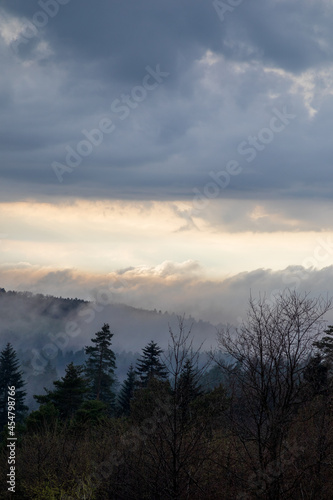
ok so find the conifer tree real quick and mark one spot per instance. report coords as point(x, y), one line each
point(100, 366)
point(10, 376)
point(316, 375)
point(189, 381)
point(187, 388)
point(150, 365)
point(325, 345)
point(126, 393)
point(69, 392)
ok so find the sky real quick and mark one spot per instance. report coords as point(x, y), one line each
point(173, 154)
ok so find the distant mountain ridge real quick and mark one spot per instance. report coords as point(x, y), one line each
point(49, 332)
point(30, 321)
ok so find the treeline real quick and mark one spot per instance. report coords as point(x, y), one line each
point(44, 328)
point(254, 422)
point(47, 305)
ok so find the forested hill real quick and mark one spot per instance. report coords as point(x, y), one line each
point(49, 332)
point(26, 318)
point(31, 321)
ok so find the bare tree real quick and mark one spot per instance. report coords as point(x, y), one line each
point(173, 461)
point(182, 448)
point(269, 353)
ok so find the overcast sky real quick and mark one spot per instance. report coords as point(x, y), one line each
point(179, 144)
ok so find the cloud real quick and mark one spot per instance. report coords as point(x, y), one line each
point(191, 148)
point(224, 81)
point(174, 287)
point(165, 239)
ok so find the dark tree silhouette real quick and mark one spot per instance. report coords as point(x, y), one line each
point(270, 352)
point(10, 375)
point(69, 392)
point(100, 366)
point(149, 365)
point(126, 393)
point(316, 375)
point(325, 345)
point(188, 386)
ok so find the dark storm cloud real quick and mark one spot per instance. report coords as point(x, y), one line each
point(293, 35)
point(121, 38)
point(223, 81)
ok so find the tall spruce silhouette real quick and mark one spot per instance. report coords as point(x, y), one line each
point(127, 392)
point(325, 345)
point(69, 392)
point(10, 375)
point(149, 365)
point(100, 366)
point(189, 385)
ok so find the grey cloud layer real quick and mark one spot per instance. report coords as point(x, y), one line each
point(173, 287)
point(65, 79)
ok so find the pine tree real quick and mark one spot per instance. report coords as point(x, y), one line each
point(100, 366)
point(46, 417)
point(188, 388)
point(69, 392)
point(189, 385)
point(90, 413)
point(149, 364)
point(316, 375)
point(126, 393)
point(325, 345)
point(10, 375)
